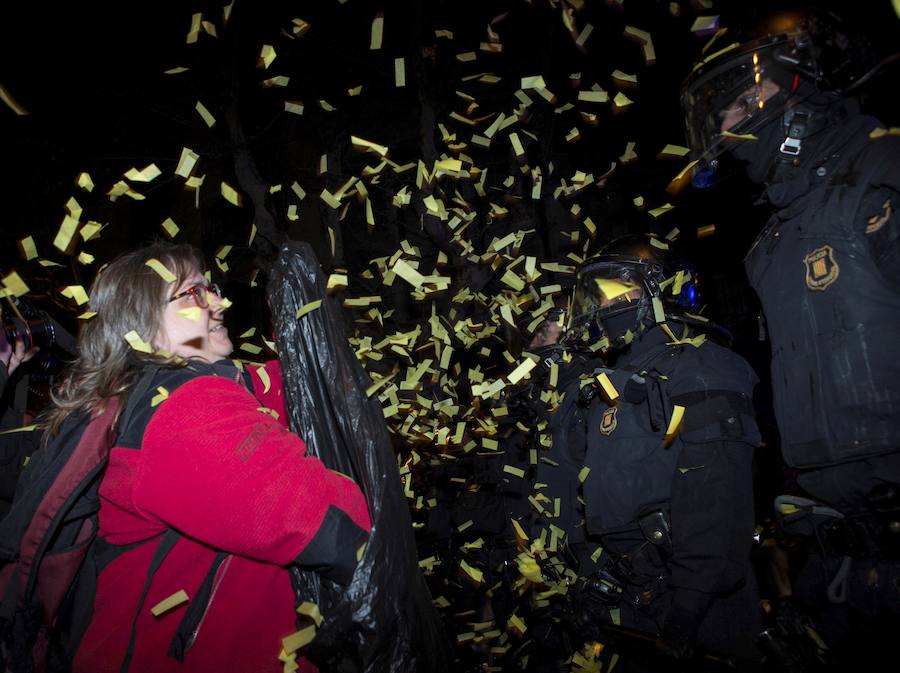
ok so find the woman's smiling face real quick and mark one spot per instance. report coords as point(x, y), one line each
point(192, 331)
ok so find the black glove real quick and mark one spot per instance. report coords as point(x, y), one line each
point(679, 634)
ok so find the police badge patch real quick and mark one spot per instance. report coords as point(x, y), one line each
point(608, 422)
point(821, 268)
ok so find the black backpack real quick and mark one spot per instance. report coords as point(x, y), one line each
point(50, 555)
point(44, 542)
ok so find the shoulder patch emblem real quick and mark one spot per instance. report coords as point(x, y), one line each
point(608, 423)
point(821, 268)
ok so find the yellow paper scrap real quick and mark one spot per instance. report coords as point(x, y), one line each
point(665, 208)
point(515, 471)
point(205, 114)
point(264, 377)
point(266, 56)
point(298, 639)
point(672, 151)
point(613, 289)
point(161, 269)
point(582, 475)
point(161, 395)
point(75, 292)
point(474, 573)
point(186, 162)
point(168, 225)
point(84, 181)
point(377, 31)
point(14, 285)
point(11, 102)
point(27, 248)
point(230, 194)
point(521, 370)
point(66, 231)
point(308, 308)
point(191, 313)
point(675, 422)
point(706, 230)
point(408, 273)
point(166, 604)
point(659, 314)
point(399, 72)
point(146, 174)
point(622, 101)
point(609, 389)
point(310, 610)
point(134, 340)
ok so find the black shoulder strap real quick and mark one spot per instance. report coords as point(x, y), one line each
point(166, 542)
point(136, 393)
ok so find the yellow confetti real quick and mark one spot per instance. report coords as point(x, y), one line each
point(310, 610)
point(24, 428)
point(11, 102)
point(474, 573)
point(377, 31)
point(14, 284)
point(622, 101)
point(672, 151)
point(308, 308)
point(134, 340)
point(264, 377)
point(515, 471)
point(399, 72)
point(706, 230)
point(521, 370)
point(168, 225)
point(84, 182)
point(87, 315)
point(607, 386)
point(146, 174)
point(612, 289)
point(582, 475)
point(205, 114)
point(665, 208)
point(675, 422)
point(230, 194)
point(161, 396)
point(75, 292)
point(298, 639)
point(173, 601)
point(193, 313)
point(408, 273)
point(266, 56)
point(161, 269)
point(65, 233)
point(186, 162)
point(659, 314)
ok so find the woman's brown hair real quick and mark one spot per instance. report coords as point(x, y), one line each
point(127, 296)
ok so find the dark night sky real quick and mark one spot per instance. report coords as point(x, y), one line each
point(91, 76)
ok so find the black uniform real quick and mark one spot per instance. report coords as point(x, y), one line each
point(826, 270)
point(680, 511)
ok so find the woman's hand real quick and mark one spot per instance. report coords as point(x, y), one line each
point(12, 357)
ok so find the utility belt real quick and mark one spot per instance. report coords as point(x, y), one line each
point(871, 534)
point(624, 577)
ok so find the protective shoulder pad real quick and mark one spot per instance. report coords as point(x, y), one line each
point(715, 386)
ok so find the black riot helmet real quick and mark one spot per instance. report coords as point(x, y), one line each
point(631, 284)
point(795, 65)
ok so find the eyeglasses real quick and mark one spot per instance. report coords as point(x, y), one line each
point(200, 293)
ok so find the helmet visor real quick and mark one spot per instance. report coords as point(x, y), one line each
point(732, 95)
point(603, 288)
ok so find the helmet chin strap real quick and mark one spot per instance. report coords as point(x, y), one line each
point(795, 121)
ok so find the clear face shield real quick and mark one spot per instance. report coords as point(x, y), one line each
point(727, 100)
point(606, 299)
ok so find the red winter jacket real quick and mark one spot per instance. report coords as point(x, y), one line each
point(230, 479)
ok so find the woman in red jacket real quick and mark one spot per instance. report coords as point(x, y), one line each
point(208, 499)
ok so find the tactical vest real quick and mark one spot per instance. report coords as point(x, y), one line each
point(833, 321)
point(630, 466)
point(631, 462)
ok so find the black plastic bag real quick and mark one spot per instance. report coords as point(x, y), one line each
point(385, 620)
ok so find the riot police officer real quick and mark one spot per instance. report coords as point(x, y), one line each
point(825, 269)
point(670, 443)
